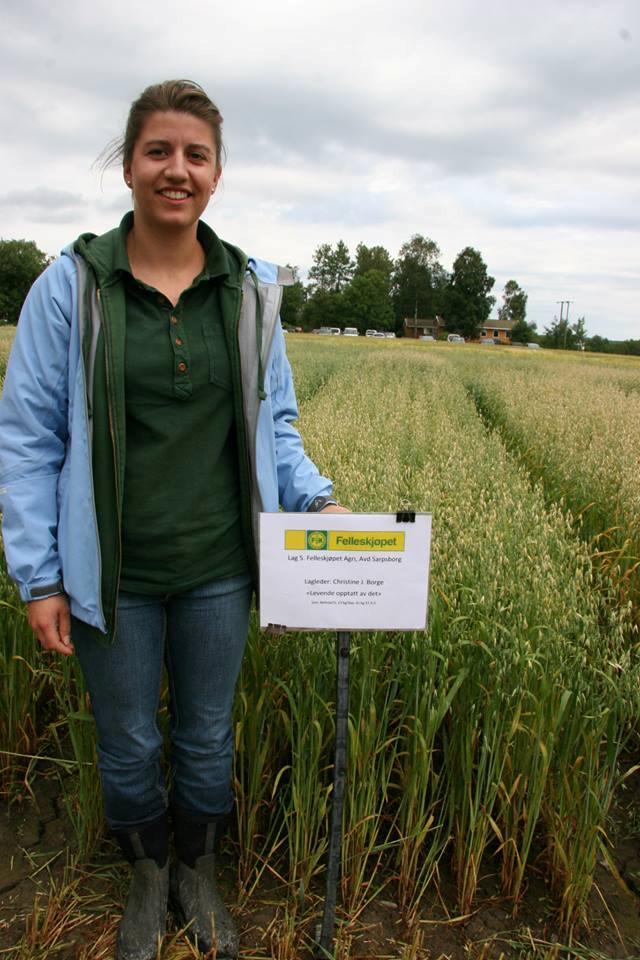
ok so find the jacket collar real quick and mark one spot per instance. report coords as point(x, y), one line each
point(107, 254)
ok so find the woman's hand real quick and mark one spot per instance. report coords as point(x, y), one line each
point(334, 508)
point(50, 620)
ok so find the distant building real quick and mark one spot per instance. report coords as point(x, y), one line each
point(495, 329)
point(415, 327)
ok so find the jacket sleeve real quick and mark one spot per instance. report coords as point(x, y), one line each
point(33, 433)
point(299, 480)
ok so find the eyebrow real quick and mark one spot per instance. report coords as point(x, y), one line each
point(202, 147)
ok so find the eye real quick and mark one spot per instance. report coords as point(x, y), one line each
point(156, 152)
point(198, 157)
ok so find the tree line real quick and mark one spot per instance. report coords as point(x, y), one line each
point(370, 291)
point(561, 335)
point(373, 291)
point(21, 262)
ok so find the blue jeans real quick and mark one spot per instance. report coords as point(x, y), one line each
point(201, 636)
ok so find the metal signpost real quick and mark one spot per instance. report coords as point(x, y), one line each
point(334, 860)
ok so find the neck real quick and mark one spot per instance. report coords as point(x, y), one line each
point(166, 250)
point(168, 260)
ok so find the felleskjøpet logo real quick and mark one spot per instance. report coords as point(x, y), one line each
point(342, 540)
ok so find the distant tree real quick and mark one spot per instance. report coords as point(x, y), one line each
point(418, 280)
point(373, 258)
point(366, 302)
point(468, 300)
point(21, 262)
point(523, 332)
point(332, 268)
point(514, 305)
point(598, 344)
point(558, 335)
point(323, 309)
point(580, 333)
point(293, 299)
point(561, 335)
point(320, 274)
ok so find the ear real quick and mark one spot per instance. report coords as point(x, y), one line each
point(126, 173)
point(215, 180)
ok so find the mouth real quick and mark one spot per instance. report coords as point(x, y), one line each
point(174, 194)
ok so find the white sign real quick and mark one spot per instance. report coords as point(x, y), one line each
point(344, 571)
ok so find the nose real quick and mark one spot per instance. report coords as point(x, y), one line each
point(176, 168)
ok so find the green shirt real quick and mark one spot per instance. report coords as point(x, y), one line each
point(181, 501)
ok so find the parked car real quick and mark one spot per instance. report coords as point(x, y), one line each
point(487, 342)
point(426, 336)
point(334, 331)
point(379, 335)
point(390, 335)
point(455, 338)
point(533, 346)
point(370, 333)
point(350, 332)
point(324, 331)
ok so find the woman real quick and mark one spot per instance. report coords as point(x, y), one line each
point(146, 420)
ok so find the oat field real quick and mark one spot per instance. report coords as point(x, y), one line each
point(497, 743)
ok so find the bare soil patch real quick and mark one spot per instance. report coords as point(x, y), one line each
point(53, 906)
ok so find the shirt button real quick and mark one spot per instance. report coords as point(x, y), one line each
point(182, 367)
point(174, 319)
point(178, 342)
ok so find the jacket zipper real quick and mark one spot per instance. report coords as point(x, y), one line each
point(89, 400)
point(248, 518)
point(112, 432)
point(250, 442)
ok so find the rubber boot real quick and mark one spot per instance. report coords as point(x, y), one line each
point(194, 891)
point(144, 920)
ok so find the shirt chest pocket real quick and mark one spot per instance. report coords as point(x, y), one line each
point(217, 356)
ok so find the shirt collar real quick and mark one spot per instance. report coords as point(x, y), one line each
point(216, 262)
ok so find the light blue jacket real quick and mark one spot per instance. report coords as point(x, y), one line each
point(46, 486)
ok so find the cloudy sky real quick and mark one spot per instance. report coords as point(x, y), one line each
point(511, 127)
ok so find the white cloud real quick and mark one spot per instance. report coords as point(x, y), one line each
point(514, 128)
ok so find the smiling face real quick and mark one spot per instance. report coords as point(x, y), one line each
point(172, 171)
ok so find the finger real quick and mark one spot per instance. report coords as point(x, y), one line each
point(50, 640)
point(47, 633)
point(59, 646)
point(64, 628)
